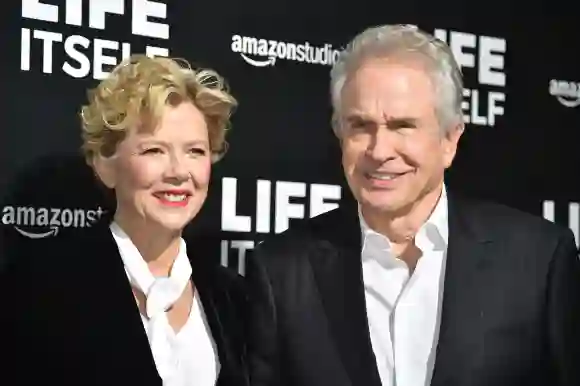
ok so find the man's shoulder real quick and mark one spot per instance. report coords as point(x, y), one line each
point(304, 236)
point(510, 221)
point(324, 226)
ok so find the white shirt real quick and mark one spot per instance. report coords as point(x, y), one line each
point(404, 311)
point(194, 353)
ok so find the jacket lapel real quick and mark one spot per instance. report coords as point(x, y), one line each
point(460, 343)
point(214, 287)
point(126, 345)
point(124, 348)
point(338, 271)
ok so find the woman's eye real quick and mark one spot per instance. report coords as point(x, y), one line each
point(153, 150)
point(197, 151)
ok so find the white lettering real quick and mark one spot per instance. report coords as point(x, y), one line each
point(488, 61)
point(493, 110)
point(142, 10)
point(74, 47)
point(49, 217)
point(48, 38)
point(263, 205)
point(491, 52)
point(224, 253)
point(152, 51)
point(319, 201)
point(465, 104)
point(474, 118)
point(490, 65)
point(242, 246)
point(34, 9)
point(84, 63)
point(99, 8)
point(319, 193)
point(25, 50)
point(74, 12)
point(101, 59)
point(285, 210)
point(125, 50)
point(269, 51)
point(574, 220)
point(231, 221)
point(458, 41)
point(79, 62)
point(472, 106)
point(67, 217)
point(548, 212)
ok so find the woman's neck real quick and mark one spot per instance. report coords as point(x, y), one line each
point(158, 247)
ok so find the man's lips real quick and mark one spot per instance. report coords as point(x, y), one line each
point(384, 176)
point(384, 180)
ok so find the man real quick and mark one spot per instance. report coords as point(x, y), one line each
point(418, 286)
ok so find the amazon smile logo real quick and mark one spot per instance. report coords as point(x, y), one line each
point(260, 52)
point(567, 93)
point(41, 222)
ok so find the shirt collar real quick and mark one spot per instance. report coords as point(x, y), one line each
point(433, 234)
point(136, 266)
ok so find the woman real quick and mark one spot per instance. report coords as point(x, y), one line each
point(127, 301)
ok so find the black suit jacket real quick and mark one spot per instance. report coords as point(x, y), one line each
point(69, 316)
point(510, 311)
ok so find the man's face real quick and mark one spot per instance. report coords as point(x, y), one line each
point(394, 151)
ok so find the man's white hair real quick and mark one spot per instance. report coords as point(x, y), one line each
point(393, 40)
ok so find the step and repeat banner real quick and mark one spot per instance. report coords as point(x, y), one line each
point(521, 104)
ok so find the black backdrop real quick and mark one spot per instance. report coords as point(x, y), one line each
point(520, 150)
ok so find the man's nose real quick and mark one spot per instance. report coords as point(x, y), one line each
point(382, 145)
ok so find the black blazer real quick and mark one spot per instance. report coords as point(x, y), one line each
point(69, 316)
point(510, 312)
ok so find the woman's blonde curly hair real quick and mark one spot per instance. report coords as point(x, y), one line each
point(137, 90)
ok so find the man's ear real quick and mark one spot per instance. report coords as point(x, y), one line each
point(450, 143)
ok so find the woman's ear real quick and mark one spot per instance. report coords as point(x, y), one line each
point(105, 169)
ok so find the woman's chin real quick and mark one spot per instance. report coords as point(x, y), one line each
point(173, 225)
point(167, 223)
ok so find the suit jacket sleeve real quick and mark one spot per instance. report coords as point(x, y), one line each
point(564, 311)
point(262, 327)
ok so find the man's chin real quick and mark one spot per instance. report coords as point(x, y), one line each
point(382, 203)
point(381, 208)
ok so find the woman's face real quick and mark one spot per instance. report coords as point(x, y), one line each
point(161, 176)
